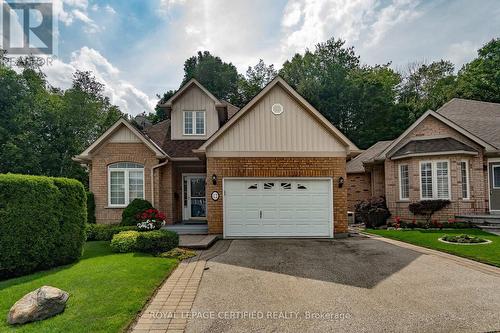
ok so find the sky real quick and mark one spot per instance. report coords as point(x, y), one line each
point(137, 48)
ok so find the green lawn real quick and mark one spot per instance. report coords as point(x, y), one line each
point(487, 253)
point(106, 290)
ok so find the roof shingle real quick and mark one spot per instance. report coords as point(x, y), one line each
point(432, 146)
point(479, 118)
point(160, 134)
point(356, 164)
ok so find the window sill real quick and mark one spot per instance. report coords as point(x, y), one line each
point(115, 207)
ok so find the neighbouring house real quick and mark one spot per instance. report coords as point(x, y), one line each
point(453, 154)
point(275, 168)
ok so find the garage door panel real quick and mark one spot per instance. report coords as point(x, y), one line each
point(277, 208)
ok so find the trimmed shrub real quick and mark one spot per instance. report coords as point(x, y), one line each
point(90, 208)
point(463, 239)
point(42, 221)
point(104, 232)
point(135, 207)
point(427, 208)
point(125, 241)
point(157, 241)
point(373, 212)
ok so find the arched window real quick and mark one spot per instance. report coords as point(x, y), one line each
point(125, 183)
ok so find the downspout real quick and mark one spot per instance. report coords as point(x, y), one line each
point(152, 180)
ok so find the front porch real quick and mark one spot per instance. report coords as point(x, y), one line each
point(189, 228)
point(486, 222)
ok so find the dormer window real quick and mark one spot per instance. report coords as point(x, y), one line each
point(194, 122)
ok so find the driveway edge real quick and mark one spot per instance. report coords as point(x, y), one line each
point(478, 266)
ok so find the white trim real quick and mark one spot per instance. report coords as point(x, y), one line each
point(157, 150)
point(332, 217)
point(194, 123)
point(181, 90)
point(276, 154)
point(443, 119)
point(400, 183)
point(467, 177)
point(493, 167)
point(189, 174)
point(127, 189)
point(434, 179)
point(439, 153)
point(490, 161)
point(307, 106)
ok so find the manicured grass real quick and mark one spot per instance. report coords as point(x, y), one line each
point(487, 253)
point(106, 290)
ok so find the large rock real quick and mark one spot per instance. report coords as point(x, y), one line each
point(39, 304)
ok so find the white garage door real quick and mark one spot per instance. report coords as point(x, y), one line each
point(278, 208)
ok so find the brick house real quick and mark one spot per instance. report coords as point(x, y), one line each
point(275, 168)
point(452, 154)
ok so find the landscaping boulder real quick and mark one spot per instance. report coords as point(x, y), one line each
point(39, 304)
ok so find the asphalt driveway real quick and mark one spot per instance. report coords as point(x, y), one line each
point(355, 285)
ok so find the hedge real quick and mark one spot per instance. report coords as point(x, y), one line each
point(42, 221)
point(148, 241)
point(135, 207)
point(90, 208)
point(104, 232)
point(125, 241)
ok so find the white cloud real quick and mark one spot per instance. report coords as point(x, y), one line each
point(121, 92)
point(390, 16)
point(165, 6)
point(69, 11)
point(462, 52)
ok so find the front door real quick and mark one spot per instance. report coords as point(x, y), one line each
point(194, 197)
point(495, 187)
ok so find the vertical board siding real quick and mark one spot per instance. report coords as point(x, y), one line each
point(194, 99)
point(293, 131)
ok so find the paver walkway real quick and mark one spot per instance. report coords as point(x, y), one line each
point(169, 309)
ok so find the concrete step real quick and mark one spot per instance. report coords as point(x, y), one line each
point(188, 229)
point(490, 228)
point(480, 219)
point(197, 242)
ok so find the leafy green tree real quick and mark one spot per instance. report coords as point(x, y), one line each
point(256, 78)
point(480, 79)
point(427, 86)
point(160, 112)
point(219, 77)
point(44, 127)
point(357, 99)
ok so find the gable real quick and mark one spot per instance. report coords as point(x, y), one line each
point(124, 135)
point(294, 132)
point(430, 128)
point(120, 132)
point(193, 98)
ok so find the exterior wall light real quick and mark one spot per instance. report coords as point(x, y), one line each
point(214, 179)
point(341, 182)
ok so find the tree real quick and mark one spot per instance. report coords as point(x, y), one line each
point(357, 99)
point(42, 127)
point(427, 86)
point(256, 78)
point(480, 79)
point(160, 112)
point(219, 77)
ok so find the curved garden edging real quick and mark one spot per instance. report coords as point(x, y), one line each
point(487, 241)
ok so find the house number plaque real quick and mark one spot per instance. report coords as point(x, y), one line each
point(215, 195)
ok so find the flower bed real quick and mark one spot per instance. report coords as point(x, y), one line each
point(463, 240)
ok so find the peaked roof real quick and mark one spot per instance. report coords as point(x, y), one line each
point(188, 84)
point(433, 146)
point(282, 83)
point(356, 164)
point(176, 149)
point(479, 118)
point(443, 119)
point(110, 131)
